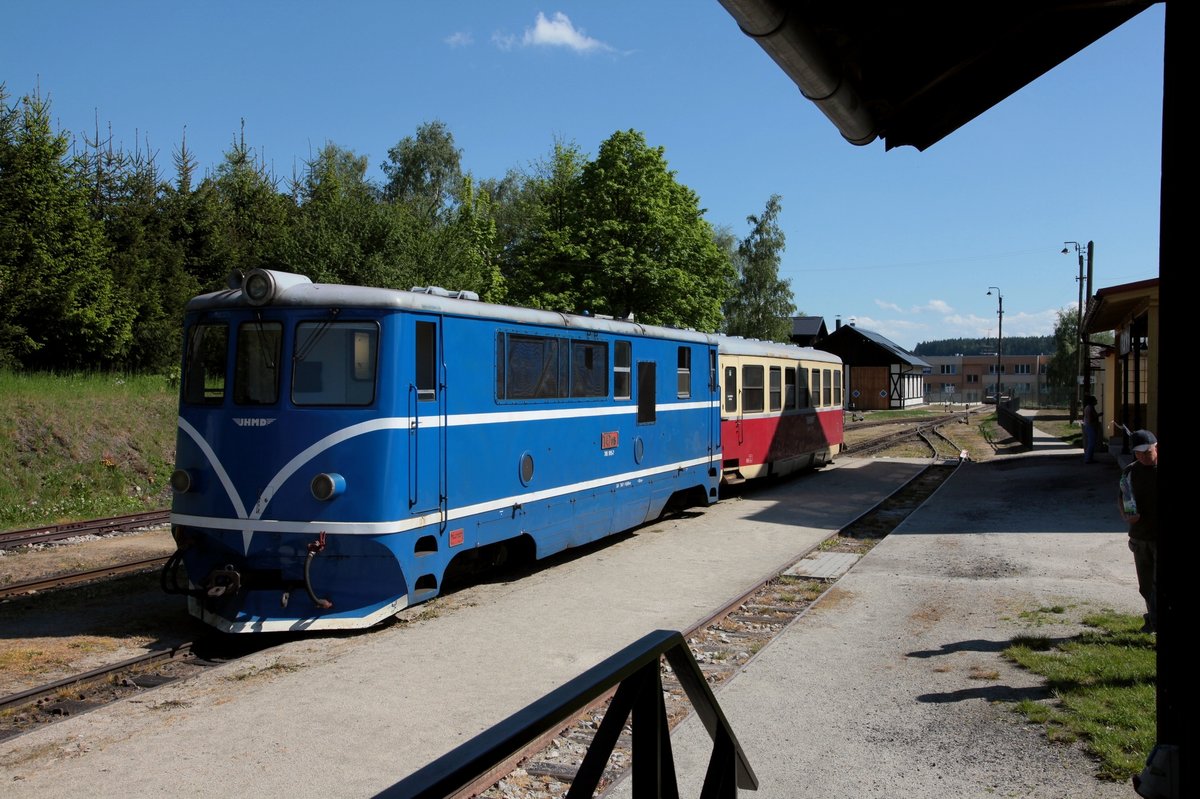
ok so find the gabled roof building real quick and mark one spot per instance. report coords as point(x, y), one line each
point(879, 374)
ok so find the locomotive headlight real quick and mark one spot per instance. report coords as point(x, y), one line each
point(258, 287)
point(327, 485)
point(181, 481)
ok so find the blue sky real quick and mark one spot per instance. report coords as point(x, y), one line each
point(905, 243)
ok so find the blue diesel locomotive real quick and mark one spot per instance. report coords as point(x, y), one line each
point(339, 446)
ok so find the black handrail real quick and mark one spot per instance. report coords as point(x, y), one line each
point(635, 670)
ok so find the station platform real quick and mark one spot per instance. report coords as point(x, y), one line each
point(884, 688)
point(894, 685)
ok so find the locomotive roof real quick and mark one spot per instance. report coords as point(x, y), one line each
point(329, 295)
point(297, 291)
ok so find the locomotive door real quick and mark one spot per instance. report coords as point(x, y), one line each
point(426, 416)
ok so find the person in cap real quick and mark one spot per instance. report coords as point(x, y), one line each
point(1138, 503)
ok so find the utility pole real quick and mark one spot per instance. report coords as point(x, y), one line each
point(1081, 337)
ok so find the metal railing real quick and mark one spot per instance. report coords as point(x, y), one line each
point(636, 672)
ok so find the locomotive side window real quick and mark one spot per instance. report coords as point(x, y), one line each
point(550, 367)
point(731, 383)
point(752, 389)
point(712, 371)
point(815, 397)
point(204, 372)
point(622, 363)
point(776, 387)
point(837, 387)
point(647, 392)
point(335, 363)
point(789, 387)
point(531, 367)
point(589, 368)
point(683, 373)
point(827, 396)
point(256, 368)
point(426, 361)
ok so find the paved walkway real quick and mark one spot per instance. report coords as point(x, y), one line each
point(895, 686)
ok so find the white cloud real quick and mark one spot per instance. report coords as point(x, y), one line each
point(505, 41)
point(459, 39)
point(889, 306)
point(559, 32)
point(937, 306)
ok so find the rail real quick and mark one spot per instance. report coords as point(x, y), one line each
point(636, 674)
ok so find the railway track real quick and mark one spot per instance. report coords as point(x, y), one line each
point(80, 578)
point(107, 526)
point(723, 643)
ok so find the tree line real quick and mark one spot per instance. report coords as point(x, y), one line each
point(100, 249)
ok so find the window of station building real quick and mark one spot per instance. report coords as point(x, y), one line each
point(752, 389)
point(837, 387)
point(622, 366)
point(256, 365)
point(335, 363)
point(204, 368)
point(775, 377)
point(827, 379)
point(815, 397)
point(789, 387)
point(683, 373)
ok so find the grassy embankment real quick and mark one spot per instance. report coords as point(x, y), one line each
point(83, 446)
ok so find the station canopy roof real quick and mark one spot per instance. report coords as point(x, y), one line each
point(912, 73)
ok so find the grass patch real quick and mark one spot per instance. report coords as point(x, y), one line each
point(81, 446)
point(1103, 682)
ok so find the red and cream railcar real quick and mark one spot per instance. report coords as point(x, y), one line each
point(781, 408)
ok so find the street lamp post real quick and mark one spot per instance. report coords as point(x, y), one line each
point(1083, 361)
point(999, 337)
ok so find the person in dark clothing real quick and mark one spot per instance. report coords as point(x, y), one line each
point(1091, 428)
point(1138, 502)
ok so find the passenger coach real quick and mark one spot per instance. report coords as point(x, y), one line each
point(781, 409)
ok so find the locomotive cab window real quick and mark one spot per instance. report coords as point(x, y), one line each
point(335, 363)
point(622, 365)
point(683, 373)
point(256, 368)
point(425, 358)
point(204, 369)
